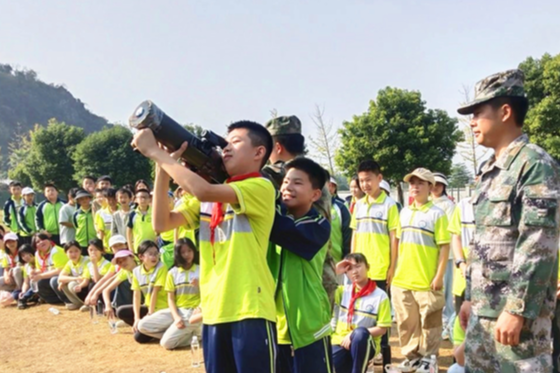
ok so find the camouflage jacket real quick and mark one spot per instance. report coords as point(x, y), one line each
point(513, 256)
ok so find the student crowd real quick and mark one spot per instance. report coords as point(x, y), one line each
point(261, 287)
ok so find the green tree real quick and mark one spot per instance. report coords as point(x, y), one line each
point(47, 155)
point(400, 133)
point(459, 176)
point(543, 91)
point(108, 152)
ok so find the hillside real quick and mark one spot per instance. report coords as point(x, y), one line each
point(25, 100)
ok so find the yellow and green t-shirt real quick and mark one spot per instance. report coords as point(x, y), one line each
point(180, 282)
point(103, 267)
point(75, 269)
point(458, 333)
point(55, 259)
point(421, 232)
point(372, 221)
point(103, 221)
point(9, 261)
point(141, 225)
point(235, 282)
point(462, 224)
point(146, 281)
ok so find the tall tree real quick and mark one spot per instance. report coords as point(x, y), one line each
point(325, 143)
point(459, 176)
point(49, 155)
point(401, 134)
point(542, 81)
point(471, 152)
point(108, 152)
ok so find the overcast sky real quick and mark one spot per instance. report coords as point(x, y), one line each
point(215, 62)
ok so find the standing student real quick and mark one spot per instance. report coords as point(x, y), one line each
point(356, 194)
point(12, 206)
point(362, 315)
point(171, 325)
point(12, 278)
point(418, 283)
point(235, 220)
point(27, 260)
point(441, 200)
point(302, 305)
point(140, 226)
point(88, 184)
point(104, 217)
point(375, 222)
point(65, 218)
point(26, 216)
point(104, 182)
point(48, 212)
point(148, 280)
point(49, 261)
point(83, 219)
point(71, 279)
point(121, 216)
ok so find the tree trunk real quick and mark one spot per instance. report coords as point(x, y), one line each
point(400, 195)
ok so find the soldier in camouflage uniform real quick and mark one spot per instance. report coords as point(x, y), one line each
point(511, 276)
point(288, 143)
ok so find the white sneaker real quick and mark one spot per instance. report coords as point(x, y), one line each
point(408, 366)
point(121, 324)
point(424, 366)
point(84, 308)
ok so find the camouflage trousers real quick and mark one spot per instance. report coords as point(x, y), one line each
point(483, 354)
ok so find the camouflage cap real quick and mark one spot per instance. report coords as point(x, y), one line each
point(285, 125)
point(505, 84)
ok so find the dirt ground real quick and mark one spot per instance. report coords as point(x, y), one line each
point(36, 341)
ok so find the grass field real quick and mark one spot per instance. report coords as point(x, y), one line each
point(36, 341)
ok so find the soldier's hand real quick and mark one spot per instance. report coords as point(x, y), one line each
point(465, 314)
point(508, 328)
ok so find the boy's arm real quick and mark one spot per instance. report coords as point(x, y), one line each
point(107, 293)
point(63, 218)
point(304, 237)
point(21, 219)
point(145, 141)
point(7, 217)
point(163, 219)
point(39, 218)
point(394, 242)
point(130, 239)
point(346, 230)
point(437, 282)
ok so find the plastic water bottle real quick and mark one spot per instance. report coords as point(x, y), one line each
point(34, 286)
point(195, 348)
point(113, 325)
point(433, 364)
point(54, 311)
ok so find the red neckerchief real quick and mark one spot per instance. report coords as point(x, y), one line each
point(368, 289)
point(352, 204)
point(44, 259)
point(13, 262)
point(217, 209)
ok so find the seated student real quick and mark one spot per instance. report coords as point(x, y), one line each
point(125, 261)
point(148, 279)
point(26, 216)
point(71, 279)
point(27, 295)
point(140, 221)
point(83, 220)
point(49, 261)
point(12, 278)
point(98, 266)
point(302, 304)
point(362, 314)
point(122, 293)
point(458, 348)
point(46, 218)
point(171, 325)
point(103, 218)
point(120, 217)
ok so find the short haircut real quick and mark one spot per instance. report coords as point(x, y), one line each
point(178, 260)
point(73, 191)
point(25, 249)
point(142, 191)
point(145, 246)
point(109, 193)
point(141, 181)
point(316, 173)
point(126, 191)
point(258, 134)
point(37, 237)
point(519, 107)
point(89, 177)
point(50, 184)
point(71, 244)
point(105, 178)
point(15, 183)
point(294, 143)
point(97, 243)
point(369, 166)
point(358, 258)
